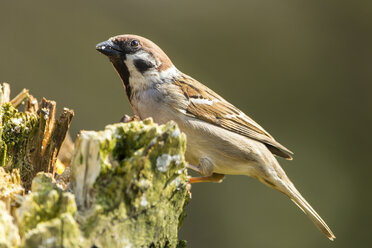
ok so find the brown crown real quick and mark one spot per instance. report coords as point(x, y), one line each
point(149, 46)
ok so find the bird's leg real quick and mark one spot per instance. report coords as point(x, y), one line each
point(214, 178)
point(205, 168)
point(127, 118)
point(194, 168)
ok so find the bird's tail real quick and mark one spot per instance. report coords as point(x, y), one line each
point(297, 198)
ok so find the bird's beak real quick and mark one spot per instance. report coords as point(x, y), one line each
point(109, 48)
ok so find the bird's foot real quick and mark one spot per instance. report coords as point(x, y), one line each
point(127, 118)
point(214, 178)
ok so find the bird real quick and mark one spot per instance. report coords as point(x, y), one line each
point(221, 139)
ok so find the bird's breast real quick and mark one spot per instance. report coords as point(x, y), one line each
point(150, 104)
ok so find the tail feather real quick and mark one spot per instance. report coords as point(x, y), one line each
point(297, 198)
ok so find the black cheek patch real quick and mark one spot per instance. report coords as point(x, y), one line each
point(143, 65)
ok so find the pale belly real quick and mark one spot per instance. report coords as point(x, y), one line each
point(230, 153)
point(226, 156)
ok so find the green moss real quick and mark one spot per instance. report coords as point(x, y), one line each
point(141, 190)
point(15, 129)
point(47, 215)
point(58, 232)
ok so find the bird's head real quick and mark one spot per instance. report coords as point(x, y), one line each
point(138, 60)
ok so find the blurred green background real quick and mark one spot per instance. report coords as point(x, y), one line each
point(302, 69)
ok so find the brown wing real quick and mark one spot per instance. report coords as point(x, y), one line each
point(206, 105)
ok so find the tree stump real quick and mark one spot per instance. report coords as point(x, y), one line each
point(128, 185)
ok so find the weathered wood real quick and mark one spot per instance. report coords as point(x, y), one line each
point(55, 140)
point(129, 185)
point(32, 105)
point(4, 93)
point(10, 188)
point(30, 140)
point(16, 101)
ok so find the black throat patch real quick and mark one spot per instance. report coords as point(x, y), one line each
point(123, 72)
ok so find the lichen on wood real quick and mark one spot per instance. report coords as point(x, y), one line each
point(128, 187)
point(46, 216)
point(125, 196)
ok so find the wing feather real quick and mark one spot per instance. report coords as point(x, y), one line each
point(205, 104)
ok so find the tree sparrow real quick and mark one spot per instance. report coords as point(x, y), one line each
point(221, 139)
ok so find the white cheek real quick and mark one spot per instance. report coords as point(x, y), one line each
point(140, 81)
point(133, 72)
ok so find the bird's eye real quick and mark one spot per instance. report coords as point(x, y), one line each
point(134, 43)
